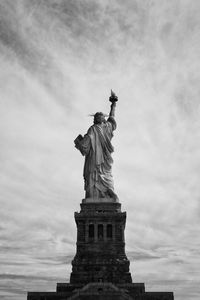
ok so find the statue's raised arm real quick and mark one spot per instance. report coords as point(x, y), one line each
point(113, 99)
point(97, 148)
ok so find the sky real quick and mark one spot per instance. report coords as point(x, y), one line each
point(59, 60)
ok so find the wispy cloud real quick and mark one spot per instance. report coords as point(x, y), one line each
point(59, 60)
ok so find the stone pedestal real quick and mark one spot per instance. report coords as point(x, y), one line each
point(100, 268)
point(100, 255)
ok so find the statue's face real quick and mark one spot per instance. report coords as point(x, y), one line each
point(99, 118)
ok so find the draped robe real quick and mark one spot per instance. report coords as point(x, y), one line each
point(97, 148)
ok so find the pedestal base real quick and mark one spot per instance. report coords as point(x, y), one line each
point(100, 268)
point(100, 291)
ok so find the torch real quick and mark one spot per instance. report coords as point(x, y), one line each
point(113, 98)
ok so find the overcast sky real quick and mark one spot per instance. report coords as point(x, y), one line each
point(59, 59)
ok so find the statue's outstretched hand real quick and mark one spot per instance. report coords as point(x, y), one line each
point(113, 99)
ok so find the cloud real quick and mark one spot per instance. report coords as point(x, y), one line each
point(59, 61)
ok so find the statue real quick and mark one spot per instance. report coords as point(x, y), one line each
point(97, 148)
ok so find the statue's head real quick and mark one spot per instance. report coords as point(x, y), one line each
point(99, 118)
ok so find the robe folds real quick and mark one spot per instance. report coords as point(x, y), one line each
point(97, 148)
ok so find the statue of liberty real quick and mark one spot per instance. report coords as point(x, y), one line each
point(97, 148)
